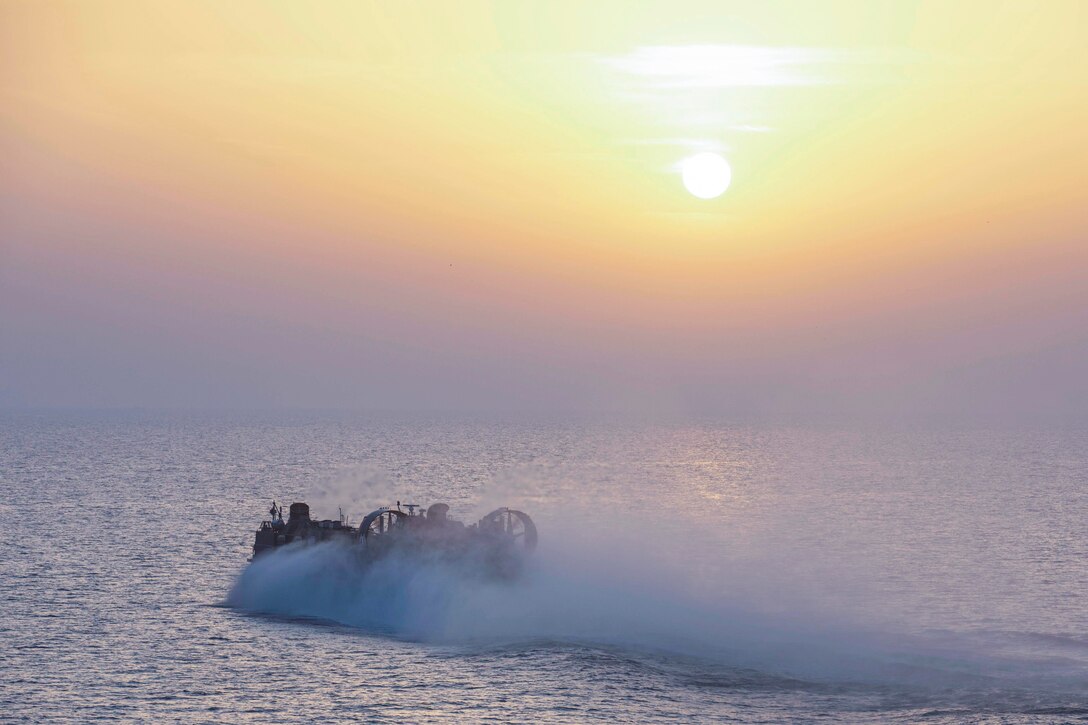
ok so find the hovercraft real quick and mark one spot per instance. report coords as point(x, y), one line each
point(498, 541)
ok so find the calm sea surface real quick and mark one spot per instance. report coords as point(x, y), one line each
point(685, 572)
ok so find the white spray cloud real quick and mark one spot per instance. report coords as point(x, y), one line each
point(614, 583)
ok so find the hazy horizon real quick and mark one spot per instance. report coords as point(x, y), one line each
point(374, 207)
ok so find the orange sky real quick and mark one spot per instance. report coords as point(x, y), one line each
point(476, 204)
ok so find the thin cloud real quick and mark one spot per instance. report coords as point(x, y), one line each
point(716, 66)
point(725, 66)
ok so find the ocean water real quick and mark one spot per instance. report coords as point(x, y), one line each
point(686, 572)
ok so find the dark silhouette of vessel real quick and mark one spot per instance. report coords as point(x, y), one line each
point(497, 542)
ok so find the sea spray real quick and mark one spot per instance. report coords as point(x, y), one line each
point(604, 587)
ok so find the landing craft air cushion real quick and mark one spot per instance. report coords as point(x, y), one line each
point(497, 541)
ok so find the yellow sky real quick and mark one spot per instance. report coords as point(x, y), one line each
point(881, 152)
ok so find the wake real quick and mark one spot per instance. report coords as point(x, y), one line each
point(618, 594)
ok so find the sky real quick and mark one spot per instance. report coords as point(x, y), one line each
point(466, 205)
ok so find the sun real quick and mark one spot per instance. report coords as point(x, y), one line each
point(706, 175)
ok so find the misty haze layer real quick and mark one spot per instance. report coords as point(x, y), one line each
point(249, 207)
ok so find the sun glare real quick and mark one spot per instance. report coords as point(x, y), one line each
point(706, 175)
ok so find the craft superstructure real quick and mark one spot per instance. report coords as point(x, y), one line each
point(499, 539)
